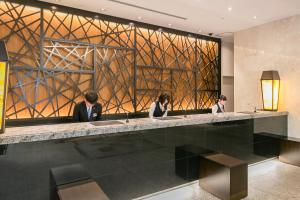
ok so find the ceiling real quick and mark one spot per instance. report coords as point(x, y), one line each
point(198, 16)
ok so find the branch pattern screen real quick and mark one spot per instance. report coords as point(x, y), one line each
point(55, 57)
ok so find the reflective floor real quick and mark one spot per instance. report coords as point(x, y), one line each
point(270, 180)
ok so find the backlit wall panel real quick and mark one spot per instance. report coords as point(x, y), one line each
point(56, 56)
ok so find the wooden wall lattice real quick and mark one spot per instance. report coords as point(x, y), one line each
point(55, 57)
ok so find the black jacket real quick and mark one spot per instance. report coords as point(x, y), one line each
point(80, 112)
point(158, 112)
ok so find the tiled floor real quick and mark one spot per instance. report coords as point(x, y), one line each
point(270, 180)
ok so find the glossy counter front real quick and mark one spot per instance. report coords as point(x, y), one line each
point(130, 160)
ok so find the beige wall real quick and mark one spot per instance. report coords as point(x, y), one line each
point(227, 58)
point(227, 87)
point(272, 46)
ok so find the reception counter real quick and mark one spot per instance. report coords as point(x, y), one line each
point(60, 131)
point(130, 160)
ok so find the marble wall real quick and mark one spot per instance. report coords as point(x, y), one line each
point(272, 46)
point(227, 87)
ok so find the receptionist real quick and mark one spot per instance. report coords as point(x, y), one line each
point(159, 108)
point(89, 109)
point(219, 107)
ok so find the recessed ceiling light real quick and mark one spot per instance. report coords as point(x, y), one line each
point(169, 25)
point(139, 17)
point(53, 8)
point(229, 8)
point(58, 1)
point(200, 31)
point(254, 17)
point(103, 9)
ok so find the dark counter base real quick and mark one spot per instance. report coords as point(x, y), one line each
point(187, 161)
point(127, 166)
point(267, 145)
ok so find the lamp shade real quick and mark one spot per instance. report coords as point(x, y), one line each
point(3, 83)
point(270, 85)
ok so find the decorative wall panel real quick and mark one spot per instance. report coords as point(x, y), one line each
point(208, 73)
point(57, 55)
point(114, 79)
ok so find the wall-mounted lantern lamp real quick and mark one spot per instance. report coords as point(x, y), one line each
point(3, 83)
point(270, 85)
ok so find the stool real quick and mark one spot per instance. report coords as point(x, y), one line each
point(73, 182)
point(224, 176)
point(290, 151)
point(85, 191)
point(187, 161)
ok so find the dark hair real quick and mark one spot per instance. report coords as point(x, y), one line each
point(223, 98)
point(91, 97)
point(163, 97)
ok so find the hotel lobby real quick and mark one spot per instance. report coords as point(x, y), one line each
point(149, 100)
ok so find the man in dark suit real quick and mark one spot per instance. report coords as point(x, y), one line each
point(89, 109)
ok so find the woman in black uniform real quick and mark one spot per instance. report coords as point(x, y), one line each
point(159, 108)
point(219, 107)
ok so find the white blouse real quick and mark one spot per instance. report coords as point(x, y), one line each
point(214, 109)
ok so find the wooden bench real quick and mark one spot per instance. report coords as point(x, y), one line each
point(72, 182)
point(224, 176)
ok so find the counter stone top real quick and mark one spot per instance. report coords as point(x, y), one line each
point(70, 130)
